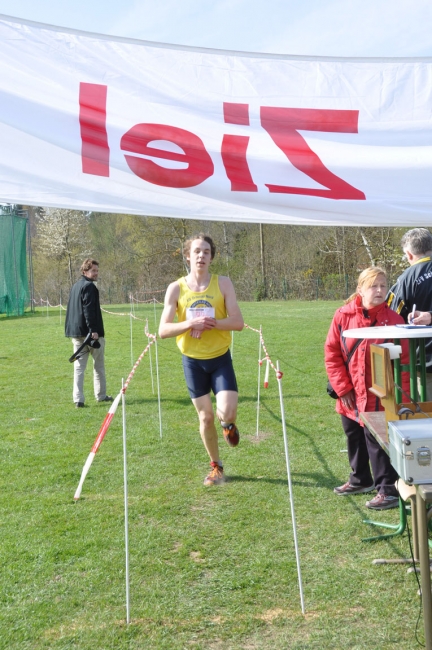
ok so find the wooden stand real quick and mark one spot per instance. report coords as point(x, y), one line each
point(383, 386)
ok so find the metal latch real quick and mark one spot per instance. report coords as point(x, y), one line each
point(424, 456)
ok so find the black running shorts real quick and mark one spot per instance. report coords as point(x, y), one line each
point(205, 375)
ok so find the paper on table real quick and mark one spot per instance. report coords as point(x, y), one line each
point(413, 327)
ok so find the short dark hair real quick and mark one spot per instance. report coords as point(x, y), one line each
point(87, 264)
point(418, 241)
point(203, 237)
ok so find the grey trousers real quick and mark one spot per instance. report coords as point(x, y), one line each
point(99, 380)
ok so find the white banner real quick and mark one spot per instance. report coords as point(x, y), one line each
point(109, 124)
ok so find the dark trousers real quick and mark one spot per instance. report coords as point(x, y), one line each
point(364, 449)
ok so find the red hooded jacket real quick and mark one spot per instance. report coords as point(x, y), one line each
point(359, 374)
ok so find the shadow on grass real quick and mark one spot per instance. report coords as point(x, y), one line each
point(26, 315)
point(183, 401)
point(253, 398)
point(254, 479)
point(369, 530)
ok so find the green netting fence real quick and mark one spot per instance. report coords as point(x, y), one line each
point(14, 289)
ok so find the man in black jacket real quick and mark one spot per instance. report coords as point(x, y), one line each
point(411, 296)
point(84, 316)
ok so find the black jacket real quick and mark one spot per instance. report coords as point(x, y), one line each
point(414, 287)
point(83, 311)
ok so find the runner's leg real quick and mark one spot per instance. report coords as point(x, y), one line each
point(208, 430)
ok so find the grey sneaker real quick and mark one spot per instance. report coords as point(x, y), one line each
point(347, 488)
point(383, 502)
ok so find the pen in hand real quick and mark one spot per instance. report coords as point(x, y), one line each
point(411, 318)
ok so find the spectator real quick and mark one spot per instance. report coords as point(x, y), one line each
point(413, 289)
point(365, 308)
point(84, 316)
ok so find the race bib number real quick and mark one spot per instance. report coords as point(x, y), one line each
point(199, 312)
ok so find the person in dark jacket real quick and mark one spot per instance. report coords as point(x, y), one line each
point(365, 308)
point(411, 295)
point(84, 316)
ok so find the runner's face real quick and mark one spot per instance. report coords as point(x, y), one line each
point(200, 255)
point(375, 294)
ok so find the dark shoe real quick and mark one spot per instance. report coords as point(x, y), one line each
point(231, 435)
point(383, 502)
point(347, 488)
point(79, 405)
point(216, 475)
point(107, 398)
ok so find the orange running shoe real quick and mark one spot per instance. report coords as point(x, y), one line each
point(231, 435)
point(216, 475)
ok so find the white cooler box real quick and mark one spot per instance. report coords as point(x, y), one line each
point(410, 443)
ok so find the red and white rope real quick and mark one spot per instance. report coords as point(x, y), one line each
point(109, 417)
point(279, 373)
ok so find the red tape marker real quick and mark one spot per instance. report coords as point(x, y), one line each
point(97, 443)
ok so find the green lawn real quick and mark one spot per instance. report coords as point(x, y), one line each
point(210, 568)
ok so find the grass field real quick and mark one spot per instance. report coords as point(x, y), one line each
point(211, 568)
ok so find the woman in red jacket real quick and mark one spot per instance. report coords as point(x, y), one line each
point(365, 308)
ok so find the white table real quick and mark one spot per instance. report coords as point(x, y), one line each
point(424, 491)
point(390, 332)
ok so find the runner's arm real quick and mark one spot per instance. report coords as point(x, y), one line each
point(234, 320)
point(168, 328)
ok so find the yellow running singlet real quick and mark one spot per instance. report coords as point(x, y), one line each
point(213, 343)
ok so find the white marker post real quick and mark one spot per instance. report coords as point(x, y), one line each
point(154, 311)
point(259, 381)
point(151, 371)
point(126, 506)
point(267, 372)
point(158, 388)
point(131, 329)
point(279, 379)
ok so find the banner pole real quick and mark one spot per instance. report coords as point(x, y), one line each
point(125, 506)
point(279, 378)
point(259, 382)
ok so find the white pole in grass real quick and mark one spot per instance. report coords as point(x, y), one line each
point(154, 310)
point(158, 389)
point(279, 379)
point(151, 370)
point(126, 506)
point(131, 338)
point(259, 381)
point(150, 358)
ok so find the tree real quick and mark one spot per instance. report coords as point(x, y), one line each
point(62, 235)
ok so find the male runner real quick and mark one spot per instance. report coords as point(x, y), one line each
point(207, 311)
